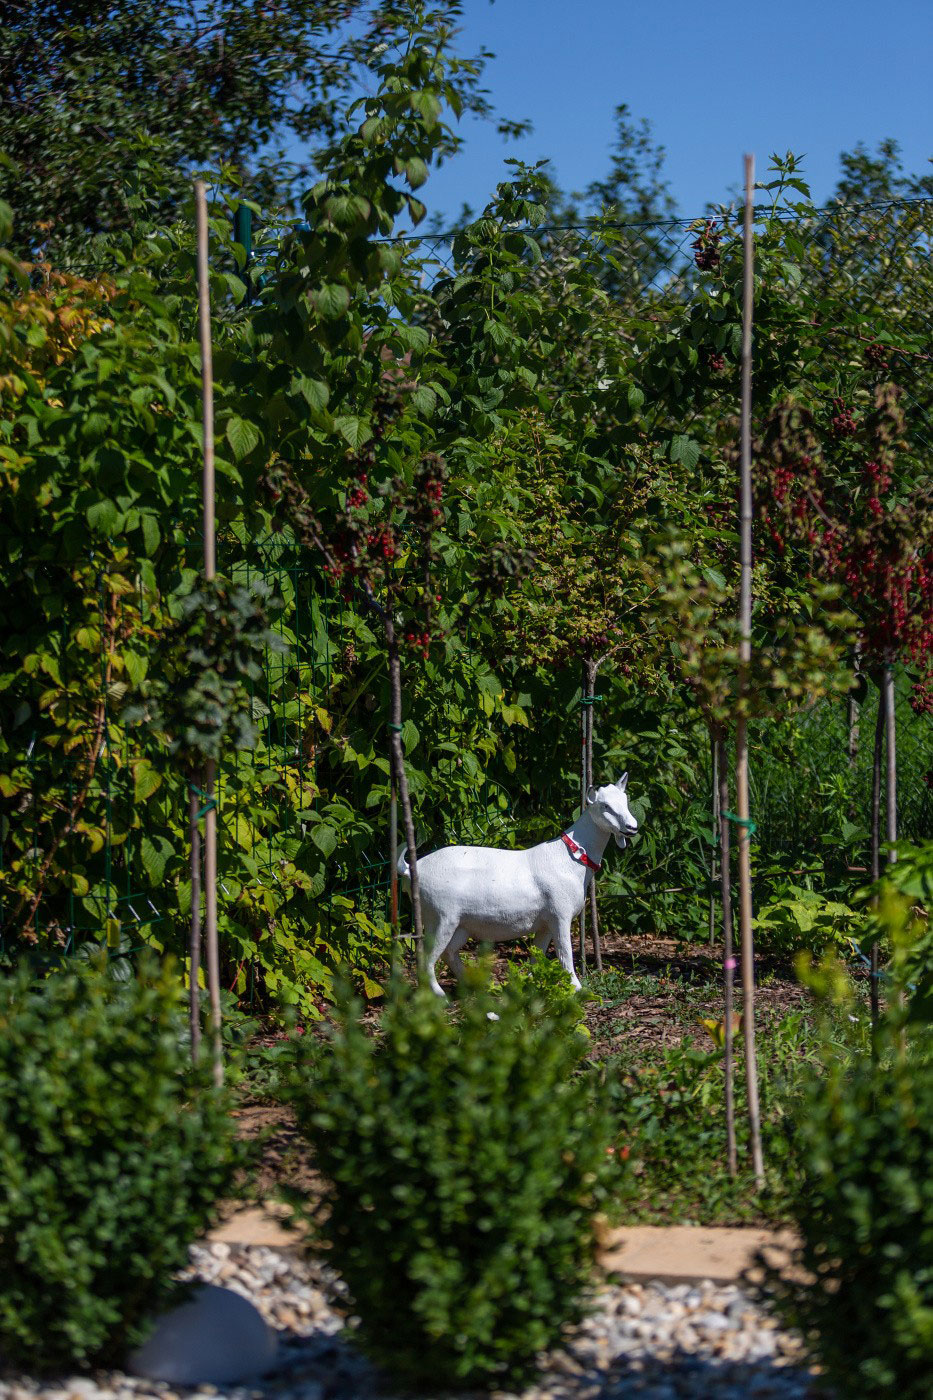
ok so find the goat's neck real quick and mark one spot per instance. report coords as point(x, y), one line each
point(594, 839)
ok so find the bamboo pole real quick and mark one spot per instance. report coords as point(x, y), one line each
point(583, 787)
point(194, 937)
point(591, 667)
point(728, 957)
point(890, 786)
point(714, 765)
point(745, 655)
point(210, 567)
point(874, 990)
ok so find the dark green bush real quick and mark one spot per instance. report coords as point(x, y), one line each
point(865, 1215)
point(113, 1155)
point(464, 1158)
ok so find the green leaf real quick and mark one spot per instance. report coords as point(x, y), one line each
point(314, 392)
point(146, 780)
point(635, 398)
point(103, 517)
point(325, 838)
point(242, 436)
point(154, 852)
point(685, 450)
point(353, 430)
point(151, 535)
point(331, 300)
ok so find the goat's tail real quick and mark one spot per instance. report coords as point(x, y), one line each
point(401, 862)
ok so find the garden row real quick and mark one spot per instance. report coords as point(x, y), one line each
point(470, 483)
point(461, 1163)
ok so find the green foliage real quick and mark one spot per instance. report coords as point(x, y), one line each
point(198, 699)
point(157, 87)
point(797, 918)
point(863, 1298)
point(113, 1157)
point(542, 979)
point(464, 1158)
point(901, 923)
point(669, 1122)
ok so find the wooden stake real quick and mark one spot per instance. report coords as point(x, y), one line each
point(194, 936)
point(890, 785)
point(590, 673)
point(874, 990)
point(210, 819)
point(583, 787)
point(728, 956)
point(745, 656)
point(714, 765)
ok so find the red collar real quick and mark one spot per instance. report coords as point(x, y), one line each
point(578, 853)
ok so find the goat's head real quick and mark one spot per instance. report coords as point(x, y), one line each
point(608, 806)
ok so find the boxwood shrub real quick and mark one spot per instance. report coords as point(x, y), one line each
point(113, 1155)
point(862, 1295)
point(464, 1151)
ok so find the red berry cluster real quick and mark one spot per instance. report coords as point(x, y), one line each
point(842, 423)
point(418, 641)
point(879, 550)
point(715, 361)
point(875, 357)
point(706, 247)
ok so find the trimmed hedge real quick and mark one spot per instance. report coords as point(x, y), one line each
point(113, 1155)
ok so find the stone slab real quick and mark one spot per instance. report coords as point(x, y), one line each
point(263, 1225)
point(688, 1253)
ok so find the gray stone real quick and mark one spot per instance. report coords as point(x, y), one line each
point(217, 1338)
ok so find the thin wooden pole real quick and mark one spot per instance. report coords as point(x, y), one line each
point(745, 656)
point(591, 699)
point(210, 568)
point(714, 765)
point(194, 940)
point(393, 853)
point(890, 747)
point(874, 990)
point(728, 956)
point(583, 787)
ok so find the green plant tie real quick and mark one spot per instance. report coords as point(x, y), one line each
point(747, 822)
point(590, 699)
point(210, 803)
point(396, 728)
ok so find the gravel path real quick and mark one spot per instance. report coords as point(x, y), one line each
point(651, 1340)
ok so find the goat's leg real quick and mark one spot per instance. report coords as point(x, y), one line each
point(437, 946)
point(561, 935)
point(543, 940)
point(452, 952)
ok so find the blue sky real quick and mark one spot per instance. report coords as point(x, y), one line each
point(714, 77)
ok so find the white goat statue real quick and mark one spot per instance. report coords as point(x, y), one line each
point(490, 894)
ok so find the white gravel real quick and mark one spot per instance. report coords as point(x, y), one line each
point(647, 1339)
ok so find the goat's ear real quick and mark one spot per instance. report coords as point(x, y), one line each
point(623, 781)
point(590, 795)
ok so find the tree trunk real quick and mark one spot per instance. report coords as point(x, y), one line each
point(716, 806)
point(194, 937)
point(854, 715)
point(393, 852)
point(590, 675)
point(728, 957)
point(583, 787)
point(211, 945)
point(874, 989)
point(401, 781)
point(890, 788)
point(745, 652)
